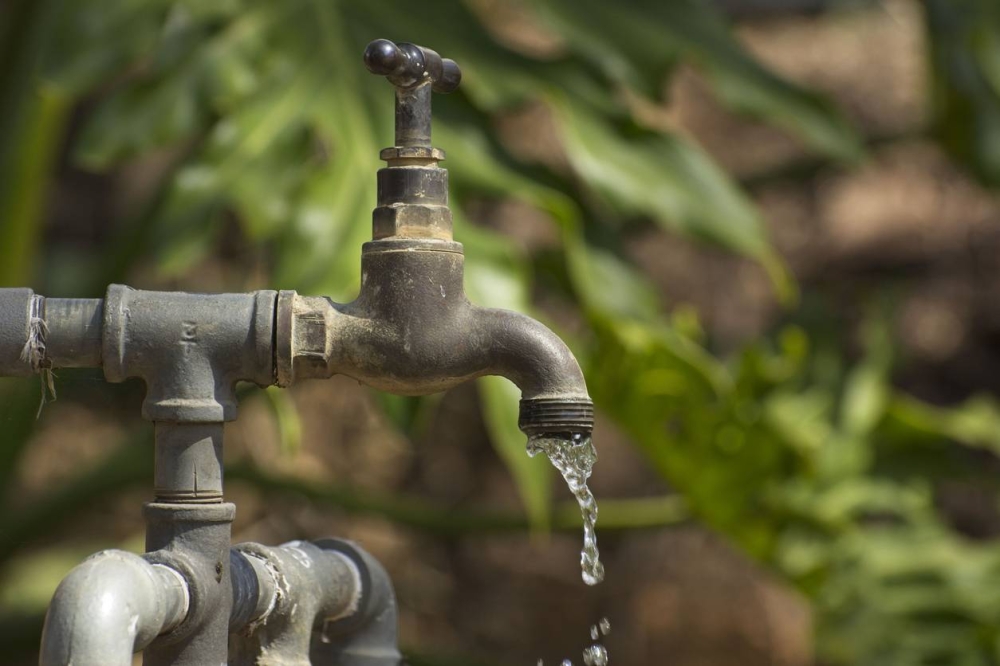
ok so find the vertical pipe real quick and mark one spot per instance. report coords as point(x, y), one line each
point(189, 527)
point(188, 462)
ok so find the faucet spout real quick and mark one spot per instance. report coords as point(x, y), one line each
point(110, 606)
point(412, 331)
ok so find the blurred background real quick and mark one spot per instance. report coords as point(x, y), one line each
point(766, 227)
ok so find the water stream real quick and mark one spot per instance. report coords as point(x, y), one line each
point(574, 456)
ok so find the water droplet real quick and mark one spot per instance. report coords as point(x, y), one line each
point(605, 626)
point(594, 634)
point(595, 655)
point(574, 457)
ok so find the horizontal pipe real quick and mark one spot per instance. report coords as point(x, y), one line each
point(73, 338)
point(38, 333)
point(311, 586)
point(17, 309)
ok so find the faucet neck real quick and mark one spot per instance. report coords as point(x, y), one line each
point(412, 195)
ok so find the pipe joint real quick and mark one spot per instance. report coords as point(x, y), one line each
point(299, 600)
point(190, 349)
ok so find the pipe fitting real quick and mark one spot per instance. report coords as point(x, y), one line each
point(546, 416)
point(314, 584)
point(255, 589)
point(190, 349)
point(193, 539)
point(111, 605)
point(368, 636)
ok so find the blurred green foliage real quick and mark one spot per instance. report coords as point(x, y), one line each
point(821, 470)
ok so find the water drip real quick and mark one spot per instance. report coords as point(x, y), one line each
point(595, 654)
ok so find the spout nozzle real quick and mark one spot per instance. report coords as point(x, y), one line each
point(556, 415)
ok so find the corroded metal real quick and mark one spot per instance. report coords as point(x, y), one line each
point(349, 619)
point(193, 539)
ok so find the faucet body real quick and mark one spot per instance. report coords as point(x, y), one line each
point(412, 331)
point(192, 599)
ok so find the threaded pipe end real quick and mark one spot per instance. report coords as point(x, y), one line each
point(553, 415)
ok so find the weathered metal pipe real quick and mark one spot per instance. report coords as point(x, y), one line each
point(322, 599)
point(37, 333)
point(188, 462)
point(110, 606)
point(368, 636)
point(195, 540)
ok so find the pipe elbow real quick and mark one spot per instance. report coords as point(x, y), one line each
point(529, 354)
point(109, 607)
point(554, 396)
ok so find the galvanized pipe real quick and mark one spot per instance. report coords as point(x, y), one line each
point(38, 333)
point(188, 462)
point(368, 636)
point(110, 606)
point(75, 328)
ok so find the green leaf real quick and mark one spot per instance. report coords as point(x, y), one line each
point(26, 165)
point(638, 42)
point(608, 286)
point(669, 180)
point(533, 476)
point(286, 417)
point(964, 38)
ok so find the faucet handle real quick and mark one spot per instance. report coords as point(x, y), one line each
point(415, 71)
point(408, 66)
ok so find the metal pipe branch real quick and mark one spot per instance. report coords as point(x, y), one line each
point(326, 602)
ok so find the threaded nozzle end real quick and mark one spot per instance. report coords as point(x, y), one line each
point(552, 415)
